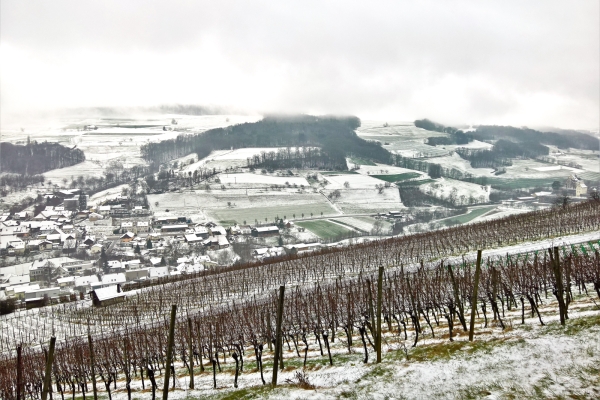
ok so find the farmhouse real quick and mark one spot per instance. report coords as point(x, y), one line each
point(262, 231)
point(576, 184)
point(127, 237)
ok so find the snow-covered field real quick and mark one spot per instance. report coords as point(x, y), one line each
point(222, 159)
point(356, 181)
point(263, 179)
point(242, 204)
point(447, 188)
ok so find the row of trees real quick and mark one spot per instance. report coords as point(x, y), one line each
point(300, 158)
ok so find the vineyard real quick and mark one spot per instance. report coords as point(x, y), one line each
point(397, 290)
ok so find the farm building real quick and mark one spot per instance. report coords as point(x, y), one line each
point(193, 239)
point(262, 231)
point(216, 242)
point(52, 292)
point(301, 248)
point(178, 228)
point(107, 296)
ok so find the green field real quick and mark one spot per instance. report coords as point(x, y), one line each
point(397, 177)
point(227, 216)
point(468, 217)
point(325, 229)
point(338, 172)
point(362, 161)
point(522, 183)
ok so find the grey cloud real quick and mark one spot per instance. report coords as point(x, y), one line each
point(334, 56)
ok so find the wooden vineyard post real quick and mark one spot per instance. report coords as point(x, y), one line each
point(379, 298)
point(170, 352)
point(474, 298)
point(19, 372)
point(93, 366)
point(269, 332)
point(278, 339)
point(48, 372)
point(191, 349)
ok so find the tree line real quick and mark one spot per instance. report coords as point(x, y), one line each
point(336, 137)
point(36, 158)
point(299, 157)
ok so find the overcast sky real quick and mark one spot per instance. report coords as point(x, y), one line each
point(504, 62)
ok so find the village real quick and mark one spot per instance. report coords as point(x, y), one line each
point(76, 251)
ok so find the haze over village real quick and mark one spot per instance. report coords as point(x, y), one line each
point(368, 198)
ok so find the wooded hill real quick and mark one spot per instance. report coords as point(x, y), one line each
point(36, 158)
point(334, 135)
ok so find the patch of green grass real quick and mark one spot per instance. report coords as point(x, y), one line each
point(260, 213)
point(325, 229)
point(362, 161)
point(255, 392)
point(338, 173)
point(463, 219)
point(573, 326)
point(397, 177)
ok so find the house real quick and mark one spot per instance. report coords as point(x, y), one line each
point(113, 279)
point(142, 227)
point(266, 253)
point(132, 264)
point(200, 231)
point(83, 283)
point(104, 210)
point(216, 242)
point(16, 248)
point(74, 267)
point(126, 226)
point(136, 275)
point(262, 231)
point(217, 230)
point(89, 241)
point(65, 282)
point(127, 237)
point(575, 183)
point(45, 245)
point(106, 296)
point(158, 272)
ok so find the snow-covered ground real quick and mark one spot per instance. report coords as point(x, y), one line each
point(263, 179)
point(521, 361)
point(462, 191)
